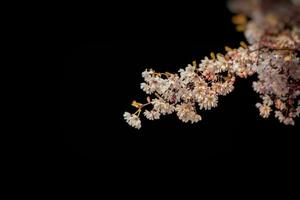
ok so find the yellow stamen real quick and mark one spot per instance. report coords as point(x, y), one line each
point(244, 45)
point(227, 58)
point(287, 58)
point(240, 28)
point(239, 19)
point(136, 104)
point(213, 56)
point(228, 49)
point(220, 57)
point(195, 63)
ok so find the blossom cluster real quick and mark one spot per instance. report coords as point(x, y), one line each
point(272, 29)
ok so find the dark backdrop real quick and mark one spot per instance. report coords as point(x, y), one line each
point(103, 55)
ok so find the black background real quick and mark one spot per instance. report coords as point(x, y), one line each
point(103, 55)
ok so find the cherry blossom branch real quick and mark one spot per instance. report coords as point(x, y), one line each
point(273, 34)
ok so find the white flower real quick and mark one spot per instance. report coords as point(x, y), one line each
point(279, 104)
point(221, 63)
point(186, 112)
point(283, 119)
point(163, 86)
point(195, 118)
point(146, 88)
point(289, 121)
point(204, 63)
point(208, 101)
point(152, 115)
point(236, 67)
point(264, 110)
point(147, 75)
point(279, 115)
point(227, 88)
point(279, 87)
point(258, 87)
point(267, 100)
point(163, 107)
point(222, 88)
point(186, 94)
point(199, 92)
point(153, 84)
point(133, 120)
point(217, 87)
point(187, 74)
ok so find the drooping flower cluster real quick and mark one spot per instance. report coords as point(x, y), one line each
point(133, 120)
point(197, 87)
point(273, 34)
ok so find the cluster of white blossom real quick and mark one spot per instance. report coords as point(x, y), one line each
point(273, 34)
point(133, 120)
point(197, 87)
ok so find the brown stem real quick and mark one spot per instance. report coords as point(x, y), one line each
point(275, 49)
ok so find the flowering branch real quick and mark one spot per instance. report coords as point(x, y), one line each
point(273, 35)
